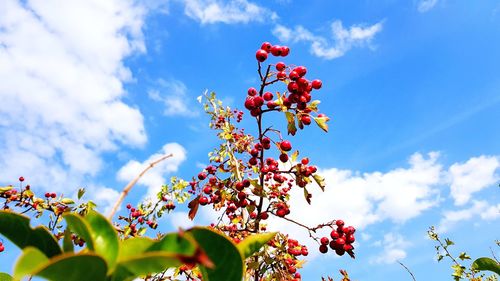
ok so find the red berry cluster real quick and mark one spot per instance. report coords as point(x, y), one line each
point(341, 240)
point(78, 241)
point(276, 50)
point(138, 217)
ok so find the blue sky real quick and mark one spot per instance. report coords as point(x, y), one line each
point(90, 91)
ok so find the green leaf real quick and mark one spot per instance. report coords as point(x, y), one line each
point(222, 252)
point(5, 277)
point(104, 236)
point(17, 229)
point(140, 256)
point(68, 242)
point(320, 181)
point(153, 262)
point(71, 267)
point(253, 243)
point(30, 259)
point(81, 227)
point(321, 122)
point(134, 246)
point(5, 188)
point(180, 244)
point(81, 192)
point(290, 118)
point(464, 256)
point(67, 201)
point(448, 242)
point(486, 264)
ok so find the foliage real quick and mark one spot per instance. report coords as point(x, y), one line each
point(474, 271)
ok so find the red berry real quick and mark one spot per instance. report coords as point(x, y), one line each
point(293, 75)
point(281, 212)
point(324, 241)
point(285, 51)
point(334, 234)
point(316, 84)
point(264, 216)
point(261, 55)
point(281, 75)
point(202, 176)
point(268, 96)
point(207, 189)
point(283, 157)
point(259, 101)
point(2, 248)
point(301, 70)
point(339, 252)
point(292, 87)
point(252, 91)
point(276, 50)
point(53, 195)
point(323, 249)
point(304, 161)
point(266, 46)
point(339, 223)
point(350, 238)
point(306, 119)
point(285, 145)
point(340, 241)
point(249, 104)
point(280, 66)
point(21, 179)
point(47, 194)
point(129, 206)
point(203, 200)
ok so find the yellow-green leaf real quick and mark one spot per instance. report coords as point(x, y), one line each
point(253, 243)
point(30, 259)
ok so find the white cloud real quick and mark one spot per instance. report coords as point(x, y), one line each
point(472, 176)
point(478, 209)
point(180, 220)
point(104, 197)
point(229, 12)
point(364, 199)
point(426, 5)
point(173, 95)
point(394, 249)
point(155, 177)
point(342, 39)
point(62, 72)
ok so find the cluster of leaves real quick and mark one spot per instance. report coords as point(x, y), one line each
point(475, 271)
point(107, 257)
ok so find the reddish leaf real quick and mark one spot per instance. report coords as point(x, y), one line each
point(193, 207)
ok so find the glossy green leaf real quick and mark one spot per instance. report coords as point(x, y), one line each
point(175, 243)
point(5, 277)
point(30, 259)
point(253, 243)
point(81, 227)
point(104, 236)
point(486, 264)
point(227, 259)
point(133, 247)
point(17, 229)
point(74, 267)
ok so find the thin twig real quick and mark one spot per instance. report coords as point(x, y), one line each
point(129, 186)
point(407, 269)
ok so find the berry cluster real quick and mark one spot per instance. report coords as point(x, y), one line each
point(341, 240)
point(136, 217)
point(276, 50)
